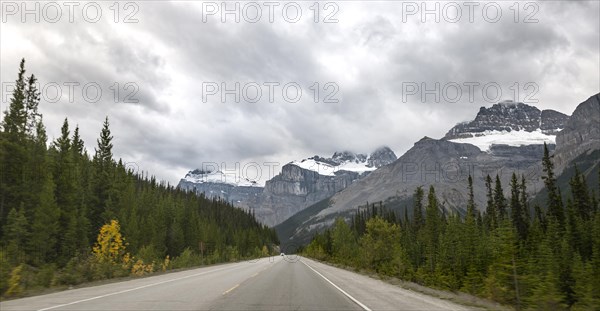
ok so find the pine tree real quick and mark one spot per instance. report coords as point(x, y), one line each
point(470, 240)
point(418, 220)
point(471, 208)
point(517, 209)
point(586, 297)
point(502, 280)
point(13, 152)
point(17, 235)
point(490, 211)
point(78, 145)
point(33, 165)
point(45, 219)
point(499, 200)
point(102, 186)
point(573, 230)
point(580, 194)
point(104, 151)
point(595, 261)
point(381, 248)
point(554, 202)
point(15, 118)
point(32, 100)
point(546, 292)
point(342, 242)
point(524, 200)
point(45, 226)
point(81, 175)
point(432, 229)
point(66, 193)
point(63, 143)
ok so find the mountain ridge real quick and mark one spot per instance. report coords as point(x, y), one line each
point(298, 185)
point(427, 158)
point(509, 116)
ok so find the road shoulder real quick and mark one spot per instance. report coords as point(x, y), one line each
point(394, 294)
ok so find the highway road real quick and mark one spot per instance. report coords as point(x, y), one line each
point(275, 283)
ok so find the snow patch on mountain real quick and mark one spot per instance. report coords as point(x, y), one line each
point(484, 140)
point(218, 177)
point(327, 169)
point(347, 161)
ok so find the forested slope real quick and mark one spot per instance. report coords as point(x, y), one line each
point(519, 253)
point(55, 197)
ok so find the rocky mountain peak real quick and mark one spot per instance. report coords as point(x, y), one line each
point(348, 156)
point(381, 156)
point(581, 133)
point(508, 116)
point(197, 172)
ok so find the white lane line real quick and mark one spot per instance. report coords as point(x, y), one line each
point(338, 288)
point(131, 289)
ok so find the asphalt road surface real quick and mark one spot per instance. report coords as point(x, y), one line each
point(275, 283)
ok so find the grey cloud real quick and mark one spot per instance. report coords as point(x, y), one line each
point(369, 53)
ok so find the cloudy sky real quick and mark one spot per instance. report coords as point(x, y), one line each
point(362, 69)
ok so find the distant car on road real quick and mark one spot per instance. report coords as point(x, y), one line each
point(282, 254)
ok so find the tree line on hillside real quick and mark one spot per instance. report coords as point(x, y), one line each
point(530, 258)
point(67, 217)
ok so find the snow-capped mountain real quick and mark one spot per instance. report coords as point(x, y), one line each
point(347, 161)
point(509, 123)
point(217, 184)
point(485, 140)
point(299, 185)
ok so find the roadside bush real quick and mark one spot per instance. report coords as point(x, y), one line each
point(186, 259)
point(45, 275)
point(140, 268)
point(15, 287)
point(78, 270)
point(148, 253)
point(5, 270)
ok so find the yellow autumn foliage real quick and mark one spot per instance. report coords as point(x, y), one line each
point(14, 283)
point(139, 268)
point(110, 245)
point(166, 264)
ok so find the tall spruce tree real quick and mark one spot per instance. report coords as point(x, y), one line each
point(17, 235)
point(524, 199)
point(32, 100)
point(499, 200)
point(554, 201)
point(66, 193)
point(45, 228)
point(15, 118)
point(418, 220)
point(432, 230)
point(471, 208)
point(490, 211)
point(13, 152)
point(581, 197)
point(103, 168)
point(517, 209)
point(470, 239)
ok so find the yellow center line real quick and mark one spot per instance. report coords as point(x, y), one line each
point(237, 285)
point(229, 290)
